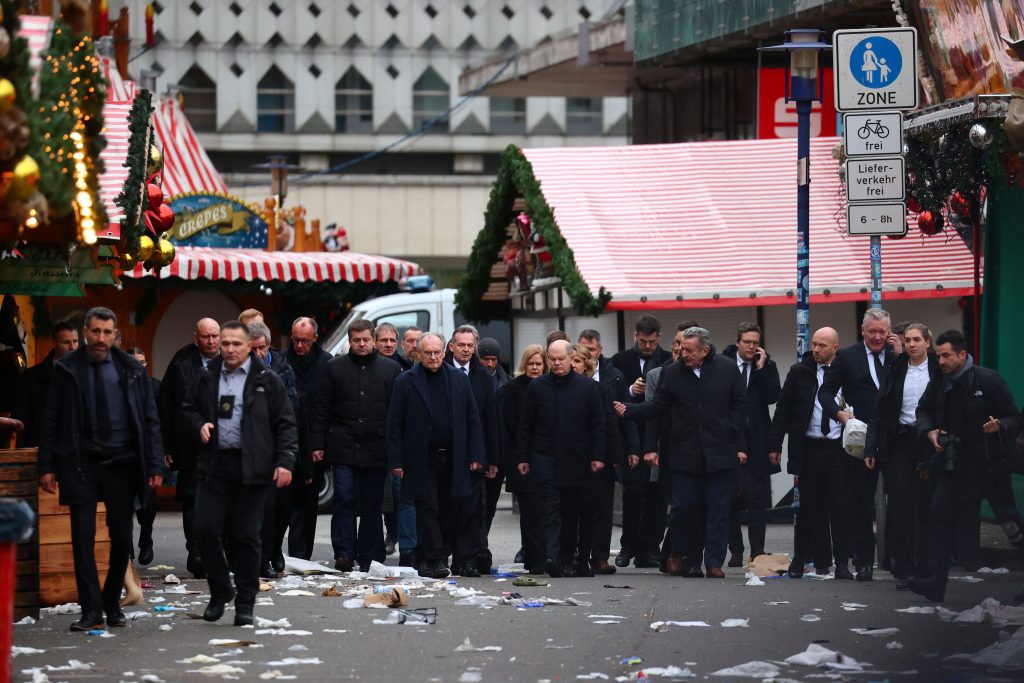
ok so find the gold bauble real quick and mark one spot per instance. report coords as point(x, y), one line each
point(146, 247)
point(164, 252)
point(156, 160)
point(7, 94)
point(127, 261)
point(25, 180)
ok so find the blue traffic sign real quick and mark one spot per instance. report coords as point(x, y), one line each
point(876, 62)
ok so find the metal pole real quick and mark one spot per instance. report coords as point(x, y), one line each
point(803, 215)
point(876, 271)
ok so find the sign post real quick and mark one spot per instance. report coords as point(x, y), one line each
point(875, 73)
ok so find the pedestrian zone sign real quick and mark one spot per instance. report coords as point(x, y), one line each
point(875, 69)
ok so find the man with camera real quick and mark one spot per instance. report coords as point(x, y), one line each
point(970, 421)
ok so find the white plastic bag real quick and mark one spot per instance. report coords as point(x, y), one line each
point(854, 435)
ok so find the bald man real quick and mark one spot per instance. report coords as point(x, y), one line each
point(815, 456)
point(180, 444)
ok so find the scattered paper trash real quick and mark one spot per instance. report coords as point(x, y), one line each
point(605, 621)
point(171, 580)
point(604, 616)
point(268, 623)
point(295, 565)
point(967, 579)
point(777, 602)
point(818, 655)
point(853, 606)
point(769, 565)
point(894, 645)
point(990, 570)
point(295, 592)
point(736, 623)
point(165, 627)
point(1007, 654)
point(100, 632)
point(422, 615)
point(927, 609)
point(876, 632)
point(199, 659)
point(335, 630)
point(160, 568)
point(662, 626)
point(666, 671)
point(754, 581)
point(294, 661)
point(395, 597)
point(66, 608)
point(592, 676)
point(25, 621)
point(230, 642)
point(631, 661)
point(468, 646)
point(529, 581)
point(275, 674)
point(354, 603)
point(15, 651)
point(989, 611)
point(219, 669)
point(471, 677)
point(755, 669)
point(282, 632)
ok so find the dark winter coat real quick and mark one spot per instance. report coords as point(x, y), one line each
point(269, 438)
point(279, 366)
point(408, 431)
point(562, 428)
point(763, 391)
point(33, 387)
point(884, 422)
point(348, 416)
point(709, 414)
point(487, 403)
point(793, 412)
point(628, 363)
point(176, 387)
point(961, 411)
point(511, 399)
point(621, 434)
point(849, 372)
point(309, 371)
point(64, 432)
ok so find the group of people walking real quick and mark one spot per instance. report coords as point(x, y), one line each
point(418, 444)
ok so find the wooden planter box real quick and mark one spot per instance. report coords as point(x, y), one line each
point(45, 563)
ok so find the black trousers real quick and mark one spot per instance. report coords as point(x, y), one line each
point(188, 482)
point(596, 517)
point(954, 503)
point(270, 546)
point(904, 489)
point(115, 486)
point(445, 524)
point(754, 496)
point(821, 521)
point(531, 527)
point(489, 501)
point(861, 498)
point(223, 500)
point(303, 513)
point(997, 487)
point(145, 516)
point(561, 520)
point(644, 516)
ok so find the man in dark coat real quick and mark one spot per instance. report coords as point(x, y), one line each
point(615, 388)
point(100, 441)
point(561, 442)
point(385, 340)
point(971, 422)
point(33, 385)
point(347, 430)
point(463, 357)
point(816, 459)
point(175, 389)
point(761, 378)
point(706, 399)
point(858, 371)
point(643, 501)
point(435, 447)
point(240, 414)
point(309, 362)
point(146, 513)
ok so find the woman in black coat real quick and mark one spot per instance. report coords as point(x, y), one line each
point(532, 364)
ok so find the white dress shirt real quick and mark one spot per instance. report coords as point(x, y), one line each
point(814, 428)
point(871, 364)
point(739, 365)
point(913, 388)
point(463, 368)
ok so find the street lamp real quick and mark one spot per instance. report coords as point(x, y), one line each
point(279, 167)
point(803, 86)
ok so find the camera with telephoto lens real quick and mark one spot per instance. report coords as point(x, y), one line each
point(949, 454)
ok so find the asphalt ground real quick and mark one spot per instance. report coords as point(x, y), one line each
point(614, 636)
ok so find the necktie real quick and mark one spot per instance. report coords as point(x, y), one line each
point(465, 369)
point(826, 425)
point(878, 367)
point(102, 412)
point(746, 374)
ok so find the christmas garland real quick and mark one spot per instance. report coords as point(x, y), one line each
point(132, 196)
point(516, 177)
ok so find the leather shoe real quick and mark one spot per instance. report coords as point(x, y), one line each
point(243, 615)
point(483, 562)
point(439, 570)
point(89, 622)
point(343, 564)
point(674, 565)
point(693, 572)
point(901, 583)
point(622, 559)
point(406, 560)
point(364, 567)
point(116, 618)
point(553, 568)
point(469, 571)
point(933, 587)
point(715, 573)
point(195, 566)
point(843, 572)
point(736, 560)
point(145, 555)
point(215, 610)
point(568, 569)
point(648, 561)
point(796, 569)
point(278, 562)
point(602, 567)
point(865, 573)
point(584, 569)
point(389, 546)
point(267, 571)
point(520, 557)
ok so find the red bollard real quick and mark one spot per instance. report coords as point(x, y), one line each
point(8, 551)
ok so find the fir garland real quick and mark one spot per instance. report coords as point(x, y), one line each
point(514, 177)
point(15, 66)
point(132, 196)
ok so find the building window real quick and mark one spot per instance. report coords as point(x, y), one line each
point(275, 103)
point(353, 104)
point(429, 100)
point(199, 93)
point(508, 115)
point(583, 116)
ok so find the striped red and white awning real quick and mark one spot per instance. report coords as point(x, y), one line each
point(711, 223)
point(35, 30)
point(118, 89)
point(254, 265)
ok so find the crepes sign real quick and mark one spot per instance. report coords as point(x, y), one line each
point(217, 220)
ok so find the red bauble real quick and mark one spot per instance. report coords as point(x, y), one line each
point(154, 196)
point(959, 204)
point(161, 220)
point(929, 223)
point(913, 204)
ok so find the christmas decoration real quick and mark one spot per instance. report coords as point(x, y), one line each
point(24, 180)
point(135, 188)
point(912, 204)
point(156, 160)
point(959, 205)
point(7, 95)
point(146, 247)
point(929, 223)
point(163, 254)
point(980, 136)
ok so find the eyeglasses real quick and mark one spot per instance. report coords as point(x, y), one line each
point(299, 341)
point(752, 342)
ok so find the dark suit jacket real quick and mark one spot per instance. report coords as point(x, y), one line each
point(408, 431)
point(626, 439)
point(763, 391)
point(794, 410)
point(487, 403)
point(849, 372)
point(30, 397)
point(628, 363)
point(885, 416)
point(511, 399)
point(176, 388)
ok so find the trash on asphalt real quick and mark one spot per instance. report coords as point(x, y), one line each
point(300, 567)
point(967, 579)
point(777, 602)
point(631, 661)
point(852, 606)
point(420, 615)
point(468, 646)
point(218, 669)
point(817, 655)
point(530, 581)
point(877, 632)
point(100, 632)
point(592, 676)
point(15, 651)
point(769, 565)
point(66, 608)
point(894, 645)
point(990, 570)
point(810, 617)
point(628, 588)
point(297, 592)
point(199, 659)
point(989, 611)
point(171, 580)
point(282, 632)
point(604, 616)
point(394, 597)
point(283, 622)
point(160, 568)
point(736, 623)
point(666, 671)
point(927, 609)
point(484, 601)
point(168, 608)
point(230, 642)
point(1005, 654)
point(25, 621)
point(662, 626)
point(294, 661)
point(275, 674)
point(754, 669)
point(753, 580)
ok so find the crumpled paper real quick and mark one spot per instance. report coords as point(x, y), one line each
point(817, 655)
point(755, 669)
point(1008, 654)
point(989, 611)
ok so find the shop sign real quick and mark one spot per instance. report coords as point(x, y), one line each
point(217, 220)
